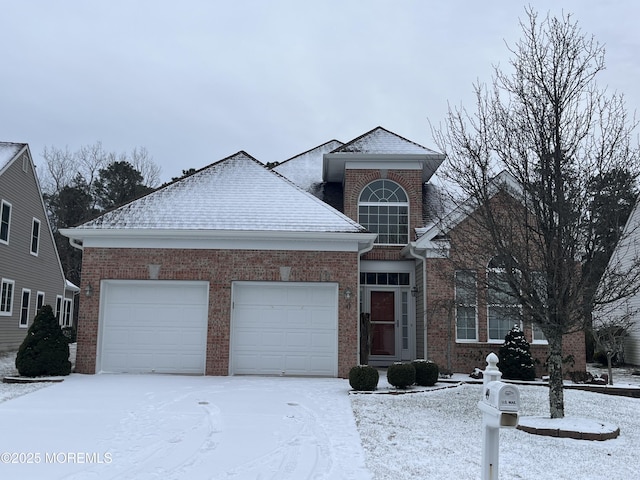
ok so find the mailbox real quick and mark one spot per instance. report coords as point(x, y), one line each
point(502, 396)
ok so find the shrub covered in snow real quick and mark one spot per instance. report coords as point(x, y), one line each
point(363, 378)
point(426, 372)
point(516, 362)
point(45, 349)
point(401, 375)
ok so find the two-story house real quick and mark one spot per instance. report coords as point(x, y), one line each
point(30, 271)
point(236, 269)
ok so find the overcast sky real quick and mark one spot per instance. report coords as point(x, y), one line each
point(194, 81)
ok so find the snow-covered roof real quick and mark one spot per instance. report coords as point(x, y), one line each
point(71, 286)
point(383, 142)
point(380, 148)
point(305, 169)
point(8, 151)
point(235, 194)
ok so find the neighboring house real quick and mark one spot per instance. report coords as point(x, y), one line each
point(625, 255)
point(30, 271)
point(238, 270)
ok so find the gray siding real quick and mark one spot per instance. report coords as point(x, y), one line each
point(41, 273)
point(627, 251)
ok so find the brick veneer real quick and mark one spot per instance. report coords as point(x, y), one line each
point(219, 268)
point(467, 252)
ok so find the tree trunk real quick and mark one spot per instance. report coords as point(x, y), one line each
point(609, 367)
point(556, 380)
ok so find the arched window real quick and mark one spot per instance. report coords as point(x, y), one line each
point(383, 208)
point(503, 308)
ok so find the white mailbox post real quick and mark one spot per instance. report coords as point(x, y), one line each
point(500, 405)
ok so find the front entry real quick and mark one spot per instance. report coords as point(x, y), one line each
point(389, 310)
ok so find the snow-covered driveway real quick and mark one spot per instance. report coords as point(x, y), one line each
point(179, 427)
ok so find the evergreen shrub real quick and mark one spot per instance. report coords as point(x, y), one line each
point(363, 378)
point(401, 375)
point(45, 349)
point(426, 372)
point(516, 362)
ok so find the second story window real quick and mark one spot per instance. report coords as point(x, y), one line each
point(383, 208)
point(6, 296)
point(35, 236)
point(5, 221)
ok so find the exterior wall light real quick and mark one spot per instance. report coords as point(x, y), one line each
point(88, 291)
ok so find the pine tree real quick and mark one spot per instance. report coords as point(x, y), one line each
point(516, 362)
point(45, 349)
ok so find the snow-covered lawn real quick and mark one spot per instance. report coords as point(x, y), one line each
point(181, 427)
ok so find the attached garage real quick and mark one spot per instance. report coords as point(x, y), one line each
point(151, 326)
point(283, 328)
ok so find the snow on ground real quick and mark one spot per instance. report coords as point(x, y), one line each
point(182, 427)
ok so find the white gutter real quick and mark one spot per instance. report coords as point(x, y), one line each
point(74, 243)
point(414, 254)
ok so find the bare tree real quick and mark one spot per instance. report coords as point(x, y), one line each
point(551, 129)
point(142, 161)
point(61, 167)
point(611, 327)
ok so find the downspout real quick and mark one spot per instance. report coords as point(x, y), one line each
point(414, 254)
point(74, 243)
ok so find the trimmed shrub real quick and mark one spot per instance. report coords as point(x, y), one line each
point(363, 378)
point(516, 362)
point(45, 349)
point(426, 372)
point(401, 375)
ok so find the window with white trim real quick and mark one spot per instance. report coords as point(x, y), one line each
point(35, 237)
point(466, 306)
point(66, 316)
point(539, 280)
point(39, 301)
point(536, 335)
point(6, 297)
point(59, 308)
point(5, 221)
point(24, 308)
point(503, 308)
point(383, 208)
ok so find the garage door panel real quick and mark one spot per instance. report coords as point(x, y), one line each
point(154, 326)
point(284, 328)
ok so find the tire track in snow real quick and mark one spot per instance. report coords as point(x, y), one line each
point(150, 455)
point(302, 456)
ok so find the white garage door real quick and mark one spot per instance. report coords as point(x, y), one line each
point(280, 328)
point(153, 326)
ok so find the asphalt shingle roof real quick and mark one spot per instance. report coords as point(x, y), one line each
point(237, 193)
point(8, 150)
point(305, 169)
point(381, 141)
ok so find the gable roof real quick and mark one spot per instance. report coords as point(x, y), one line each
point(237, 193)
point(377, 149)
point(381, 141)
point(305, 169)
point(11, 152)
point(428, 235)
point(8, 152)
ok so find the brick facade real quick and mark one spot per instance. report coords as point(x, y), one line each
point(411, 180)
point(462, 356)
point(219, 268)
